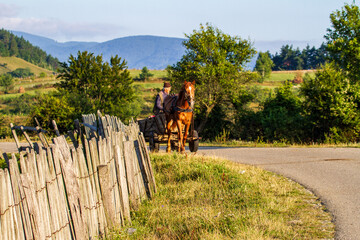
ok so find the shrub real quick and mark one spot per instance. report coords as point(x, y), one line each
point(281, 118)
point(332, 105)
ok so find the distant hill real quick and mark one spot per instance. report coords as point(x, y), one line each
point(139, 51)
point(154, 52)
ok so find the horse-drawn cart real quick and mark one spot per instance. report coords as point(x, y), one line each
point(154, 130)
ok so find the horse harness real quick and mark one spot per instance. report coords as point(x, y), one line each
point(175, 108)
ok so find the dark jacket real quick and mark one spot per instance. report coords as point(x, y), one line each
point(159, 102)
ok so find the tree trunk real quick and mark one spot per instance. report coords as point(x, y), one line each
point(202, 124)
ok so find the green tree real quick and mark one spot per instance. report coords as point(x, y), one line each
point(264, 65)
point(7, 82)
point(332, 104)
point(343, 40)
point(288, 59)
point(99, 85)
point(145, 74)
point(14, 51)
point(22, 72)
point(281, 117)
point(216, 62)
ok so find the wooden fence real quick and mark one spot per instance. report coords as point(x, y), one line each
point(76, 191)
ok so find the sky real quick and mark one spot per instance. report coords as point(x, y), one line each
point(103, 20)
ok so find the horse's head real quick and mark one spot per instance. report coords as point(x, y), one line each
point(189, 88)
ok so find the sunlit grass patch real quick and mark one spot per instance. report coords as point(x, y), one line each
point(209, 198)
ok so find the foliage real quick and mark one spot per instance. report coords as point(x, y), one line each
point(6, 82)
point(332, 104)
point(343, 40)
point(96, 85)
point(313, 57)
point(288, 59)
point(54, 106)
point(4, 126)
point(263, 65)
point(145, 74)
point(21, 73)
point(278, 118)
point(281, 117)
point(294, 59)
point(218, 117)
point(20, 105)
point(5, 121)
point(207, 198)
point(11, 45)
point(216, 62)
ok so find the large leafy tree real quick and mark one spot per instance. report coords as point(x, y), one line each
point(216, 62)
point(343, 40)
point(92, 84)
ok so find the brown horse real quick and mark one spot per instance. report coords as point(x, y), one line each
point(180, 113)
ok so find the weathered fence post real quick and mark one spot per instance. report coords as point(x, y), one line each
point(79, 192)
point(72, 189)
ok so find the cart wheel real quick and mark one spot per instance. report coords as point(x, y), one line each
point(194, 144)
point(153, 143)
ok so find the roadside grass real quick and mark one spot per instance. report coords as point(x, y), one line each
point(260, 143)
point(210, 198)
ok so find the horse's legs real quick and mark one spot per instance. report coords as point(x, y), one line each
point(180, 135)
point(168, 129)
point(187, 126)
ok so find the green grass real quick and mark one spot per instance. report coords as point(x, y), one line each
point(13, 63)
point(158, 74)
point(31, 92)
point(241, 143)
point(209, 198)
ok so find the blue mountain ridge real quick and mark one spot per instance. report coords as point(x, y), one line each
point(154, 52)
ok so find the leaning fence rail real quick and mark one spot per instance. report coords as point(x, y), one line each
point(79, 190)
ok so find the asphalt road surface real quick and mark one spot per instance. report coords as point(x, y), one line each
point(333, 174)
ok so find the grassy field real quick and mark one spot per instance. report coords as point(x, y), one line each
point(158, 74)
point(210, 198)
point(8, 64)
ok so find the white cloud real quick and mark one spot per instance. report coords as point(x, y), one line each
point(60, 30)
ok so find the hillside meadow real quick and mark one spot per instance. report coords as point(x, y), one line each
point(8, 64)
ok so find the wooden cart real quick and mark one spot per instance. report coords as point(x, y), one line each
point(154, 130)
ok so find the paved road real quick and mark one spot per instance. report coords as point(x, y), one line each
point(333, 174)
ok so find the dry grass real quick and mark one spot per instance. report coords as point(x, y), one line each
point(209, 198)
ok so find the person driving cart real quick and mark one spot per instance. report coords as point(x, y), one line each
point(159, 101)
